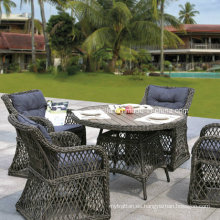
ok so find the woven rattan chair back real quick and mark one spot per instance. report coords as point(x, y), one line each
point(21, 159)
point(187, 103)
point(174, 141)
point(36, 146)
point(8, 102)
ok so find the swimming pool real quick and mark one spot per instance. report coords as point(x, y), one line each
point(196, 75)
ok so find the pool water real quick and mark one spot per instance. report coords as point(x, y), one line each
point(196, 75)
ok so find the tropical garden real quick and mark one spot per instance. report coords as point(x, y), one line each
point(104, 35)
point(94, 39)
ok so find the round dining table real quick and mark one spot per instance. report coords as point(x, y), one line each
point(135, 147)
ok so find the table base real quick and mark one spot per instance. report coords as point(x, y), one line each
point(134, 154)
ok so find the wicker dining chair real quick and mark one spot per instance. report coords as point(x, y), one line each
point(33, 104)
point(65, 181)
point(174, 141)
point(204, 188)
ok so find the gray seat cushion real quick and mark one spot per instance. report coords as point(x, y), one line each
point(174, 98)
point(68, 127)
point(30, 104)
point(26, 121)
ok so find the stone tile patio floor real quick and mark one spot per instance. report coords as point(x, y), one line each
point(165, 200)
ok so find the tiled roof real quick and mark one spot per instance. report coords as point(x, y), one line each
point(15, 41)
point(201, 28)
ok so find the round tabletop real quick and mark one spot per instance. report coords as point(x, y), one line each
point(127, 122)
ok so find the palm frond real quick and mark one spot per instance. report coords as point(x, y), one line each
point(172, 40)
point(89, 9)
point(98, 39)
point(127, 53)
point(120, 14)
point(145, 32)
point(171, 20)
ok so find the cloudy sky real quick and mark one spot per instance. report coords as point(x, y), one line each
point(209, 10)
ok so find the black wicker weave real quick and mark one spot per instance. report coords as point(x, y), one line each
point(65, 181)
point(204, 186)
point(20, 161)
point(133, 147)
point(174, 141)
point(134, 154)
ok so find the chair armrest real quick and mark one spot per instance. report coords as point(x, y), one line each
point(65, 139)
point(69, 118)
point(210, 130)
point(43, 121)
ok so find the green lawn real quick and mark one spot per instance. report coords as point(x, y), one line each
point(103, 87)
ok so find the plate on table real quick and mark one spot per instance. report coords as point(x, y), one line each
point(159, 117)
point(90, 113)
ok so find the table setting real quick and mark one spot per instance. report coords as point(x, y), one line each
point(147, 113)
point(95, 114)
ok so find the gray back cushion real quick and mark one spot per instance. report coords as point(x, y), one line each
point(30, 104)
point(174, 98)
point(26, 121)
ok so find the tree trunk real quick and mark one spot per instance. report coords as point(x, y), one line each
point(88, 63)
point(47, 46)
point(162, 37)
point(112, 64)
point(0, 16)
point(32, 34)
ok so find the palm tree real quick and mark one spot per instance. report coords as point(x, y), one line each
point(32, 34)
point(44, 24)
point(37, 26)
point(165, 19)
point(162, 36)
point(187, 13)
point(118, 26)
point(6, 5)
point(32, 30)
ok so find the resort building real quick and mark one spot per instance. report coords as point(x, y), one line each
point(15, 48)
point(17, 23)
point(15, 41)
point(201, 49)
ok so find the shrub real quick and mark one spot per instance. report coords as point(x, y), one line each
point(71, 70)
point(145, 67)
point(151, 67)
point(197, 68)
point(41, 65)
point(167, 63)
point(74, 60)
point(128, 72)
point(137, 74)
point(59, 68)
point(13, 68)
point(32, 67)
point(52, 70)
point(205, 67)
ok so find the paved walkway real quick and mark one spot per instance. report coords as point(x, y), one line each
point(165, 200)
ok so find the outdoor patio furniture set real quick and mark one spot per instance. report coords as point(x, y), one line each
point(69, 180)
